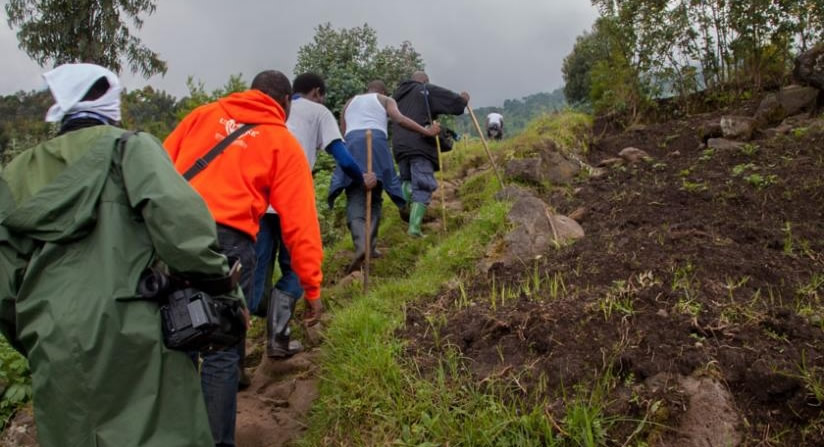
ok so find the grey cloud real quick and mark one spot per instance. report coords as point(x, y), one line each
point(495, 50)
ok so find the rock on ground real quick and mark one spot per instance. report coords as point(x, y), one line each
point(809, 67)
point(789, 101)
point(537, 228)
point(633, 154)
point(738, 127)
point(710, 420)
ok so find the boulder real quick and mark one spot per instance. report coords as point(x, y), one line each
point(809, 67)
point(512, 192)
point(710, 129)
point(710, 419)
point(566, 229)
point(550, 167)
point(722, 144)
point(633, 154)
point(525, 169)
point(788, 101)
point(536, 230)
point(738, 127)
point(559, 170)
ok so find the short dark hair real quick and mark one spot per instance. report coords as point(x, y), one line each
point(306, 82)
point(273, 83)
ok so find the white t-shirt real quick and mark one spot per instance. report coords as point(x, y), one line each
point(366, 112)
point(495, 118)
point(313, 125)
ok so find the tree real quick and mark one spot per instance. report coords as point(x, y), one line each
point(21, 122)
point(199, 96)
point(589, 48)
point(349, 58)
point(149, 110)
point(63, 31)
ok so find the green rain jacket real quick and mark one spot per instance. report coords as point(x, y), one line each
point(80, 219)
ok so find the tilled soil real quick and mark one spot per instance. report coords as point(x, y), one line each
point(697, 263)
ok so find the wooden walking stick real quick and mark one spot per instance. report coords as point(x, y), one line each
point(368, 254)
point(486, 147)
point(440, 157)
point(443, 193)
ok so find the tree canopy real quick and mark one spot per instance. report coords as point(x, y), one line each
point(63, 31)
point(642, 49)
point(351, 58)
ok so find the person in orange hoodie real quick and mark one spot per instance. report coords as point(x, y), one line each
point(263, 166)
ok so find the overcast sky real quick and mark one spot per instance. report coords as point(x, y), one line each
point(495, 50)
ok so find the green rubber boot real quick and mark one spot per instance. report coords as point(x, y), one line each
point(406, 190)
point(415, 218)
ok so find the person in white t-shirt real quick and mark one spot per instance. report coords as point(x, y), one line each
point(495, 125)
point(315, 128)
point(371, 111)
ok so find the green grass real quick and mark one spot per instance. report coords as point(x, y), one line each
point(372, 393)
point(15, 382)
point(369, 395)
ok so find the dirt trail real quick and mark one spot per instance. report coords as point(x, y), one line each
point(273, 411)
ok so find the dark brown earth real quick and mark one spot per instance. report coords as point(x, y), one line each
point(687, 270)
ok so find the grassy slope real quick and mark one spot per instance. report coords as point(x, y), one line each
point(371, 394)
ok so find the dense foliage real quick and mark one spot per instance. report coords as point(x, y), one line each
point(60, 31)
point(350, 58)
point(643, 49)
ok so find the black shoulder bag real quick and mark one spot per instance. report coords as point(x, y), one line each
point(204, 161)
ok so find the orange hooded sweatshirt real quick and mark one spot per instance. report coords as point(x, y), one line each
point(264, 166)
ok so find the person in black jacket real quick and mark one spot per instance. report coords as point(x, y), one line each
point(416, 154)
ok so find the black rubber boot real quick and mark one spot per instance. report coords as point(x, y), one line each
point(358, 230)
point(278, 343)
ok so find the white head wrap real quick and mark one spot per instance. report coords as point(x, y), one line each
point(69, 83)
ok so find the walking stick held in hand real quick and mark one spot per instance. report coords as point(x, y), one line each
point(486, 147)
point(368, 255)
point(440, 158)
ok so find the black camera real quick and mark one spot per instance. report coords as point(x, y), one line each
point(192, 319)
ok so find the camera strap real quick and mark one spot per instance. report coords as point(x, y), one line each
point(213, 153)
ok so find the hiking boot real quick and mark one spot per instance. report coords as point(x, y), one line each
point(417, 210)
point(283, 350)
point(404, 213)
point(281, 308)
point(356, 264)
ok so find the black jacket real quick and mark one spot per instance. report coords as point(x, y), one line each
point(412, 103)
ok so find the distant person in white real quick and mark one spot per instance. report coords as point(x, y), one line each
point(495, 126)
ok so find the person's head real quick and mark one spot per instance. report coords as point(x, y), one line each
point(376, 86)
point(83, 88)
point(311, 87)
point(420, 76)
point(276, 85)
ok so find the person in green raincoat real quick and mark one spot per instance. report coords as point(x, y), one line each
point(81, 217)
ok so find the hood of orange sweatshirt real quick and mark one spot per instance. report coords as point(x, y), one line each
point(253, 106)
